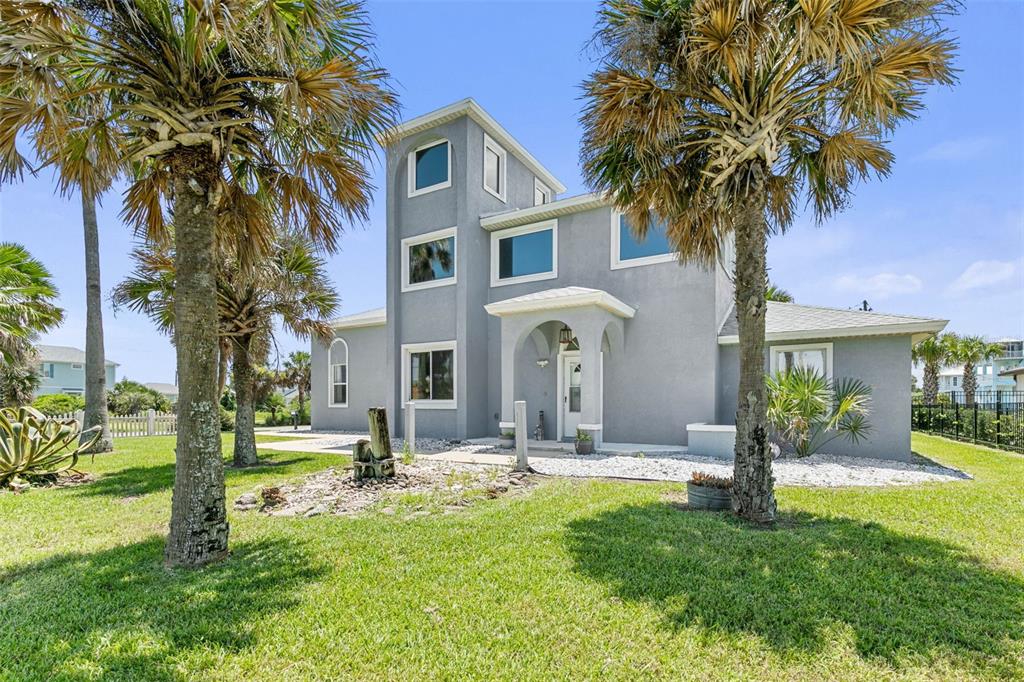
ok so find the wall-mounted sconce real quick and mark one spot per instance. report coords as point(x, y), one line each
point(543, 362)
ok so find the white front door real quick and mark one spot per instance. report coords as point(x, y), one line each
point(572, 397)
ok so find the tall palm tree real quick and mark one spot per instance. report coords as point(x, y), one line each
point(289, 288)
point(279, 99)
point(969, 351)
point(715, 116)
point(932, 352)
point(297, 373)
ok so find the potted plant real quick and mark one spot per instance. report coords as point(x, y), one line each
point(584, 443)
point(507, 439)
point(708, 492)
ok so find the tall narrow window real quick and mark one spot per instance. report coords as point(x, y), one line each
point(430, 168)
point(541, 193)
point(428, 260)
point(430, 374)
point(338, 377)
point(494, 168)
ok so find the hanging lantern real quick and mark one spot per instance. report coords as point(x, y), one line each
point(565, 335)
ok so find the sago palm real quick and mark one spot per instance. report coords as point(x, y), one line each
point(219, 106)
point(716, 116)
point(932, 353)
point(969, 351)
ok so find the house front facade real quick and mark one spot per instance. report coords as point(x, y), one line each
point(62, 370)
point(498, 290)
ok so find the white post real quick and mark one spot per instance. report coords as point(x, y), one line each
point(80, 418)
point(522, 462)
point(410, 425)
point(151, 422)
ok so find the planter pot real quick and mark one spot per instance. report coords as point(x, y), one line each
point(711, 499)
point(506, 442)
point(584, 447)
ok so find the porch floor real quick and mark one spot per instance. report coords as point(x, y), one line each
point(555, 448)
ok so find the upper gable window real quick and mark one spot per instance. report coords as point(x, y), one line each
point(430, 168)
point(628, 251)
point(541, 193)
point(428, 260)
point(495, 162)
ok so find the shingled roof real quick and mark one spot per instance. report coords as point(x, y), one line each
point(792, 321)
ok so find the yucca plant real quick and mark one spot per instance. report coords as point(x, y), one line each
point(34, 447)
point(808, 411)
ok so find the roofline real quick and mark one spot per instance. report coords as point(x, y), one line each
point(525, 216)
point(918, 330)
point(377, 319)
point(469, 107)
point(1011, 372)
point(602, 299)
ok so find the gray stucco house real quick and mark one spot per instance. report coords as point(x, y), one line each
point(498, 290)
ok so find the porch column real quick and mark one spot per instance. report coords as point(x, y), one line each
point(508, 375)
point(592, 389)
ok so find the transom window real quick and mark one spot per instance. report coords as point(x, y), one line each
point(430, 168)
point(429, 374)
point(629, 251)
point(541, 193)
point(816, 356)
point(428, 260)
point(494, 168)
point(524, 254)
point(337, 383)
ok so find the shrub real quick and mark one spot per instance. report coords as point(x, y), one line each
point(227, 420)
point(808, 411)
point(711, 481)
point(583, 436)
point(131, 397)
point(54, 404)
point(34, 447)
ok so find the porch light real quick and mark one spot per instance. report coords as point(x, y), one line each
point(565, 335)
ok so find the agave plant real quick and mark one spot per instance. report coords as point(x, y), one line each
point(36, 447)
point(808, 411)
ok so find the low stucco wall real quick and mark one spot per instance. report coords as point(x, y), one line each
point(366, 380)
point(711, 440)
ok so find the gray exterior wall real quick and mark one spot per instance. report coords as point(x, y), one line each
point(366, 380)
point(883, 362)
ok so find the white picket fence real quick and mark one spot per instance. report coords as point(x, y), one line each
point(148, 423)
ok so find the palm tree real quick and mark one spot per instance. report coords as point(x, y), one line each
point(932, 352)
point(217, 106)
point(27, 296)
point(290, 288)
point(297, 374)
point(778, 294)
point(969, 351)
point(715, 116)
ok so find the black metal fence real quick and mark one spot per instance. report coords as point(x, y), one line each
point(994, 419)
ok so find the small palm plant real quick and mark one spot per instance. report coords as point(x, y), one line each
point(808, 411)
point(34, 447)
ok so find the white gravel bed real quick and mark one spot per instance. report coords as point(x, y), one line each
point(826, 471)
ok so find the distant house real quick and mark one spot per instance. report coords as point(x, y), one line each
point(993, 375)
point(169, 391)
point(62, 370)
point(1017, 375)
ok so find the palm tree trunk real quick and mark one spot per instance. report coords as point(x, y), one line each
point(224, 352)
point(245, 415)
point(302, 402)
point(970, 383)
point(753, 497)
point(95, 356)
point(199, 526)
point(931, 384)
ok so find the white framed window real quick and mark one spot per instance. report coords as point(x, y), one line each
point(76, 365)
point(629, 252)
point(428, 260)
point(429, 374)
point(72, 391)
point(337, 374)
point(46, 370)
point(524, 254)
point(541, 193)
point(495, 164)
point(813, 355)
point(430, 167)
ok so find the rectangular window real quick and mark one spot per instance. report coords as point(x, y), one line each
point(428, 260)
point(524, 254)
point(815, 356)
point(339, 392)
point(75, 365)
point(430, 168)
point(46, 370)
point(429, 372)
point(494, 168)
point(629, 251)
point(541, 193)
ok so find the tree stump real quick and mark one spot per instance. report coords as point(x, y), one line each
point(374, 458)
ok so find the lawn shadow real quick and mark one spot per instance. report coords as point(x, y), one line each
point(796, 586)
point(144, 480)
point(121, 614)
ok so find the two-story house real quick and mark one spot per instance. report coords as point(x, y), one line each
point(994, 375)
point(499, 290)
point(62, 370)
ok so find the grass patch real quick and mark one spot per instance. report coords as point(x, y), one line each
point(576, 579)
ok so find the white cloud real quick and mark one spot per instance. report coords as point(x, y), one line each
point(881, 286)
point(962, 149)
point(983, 273)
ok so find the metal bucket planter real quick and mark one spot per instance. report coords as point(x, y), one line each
point(584, 447)
point(708, 498)
point(506, 442)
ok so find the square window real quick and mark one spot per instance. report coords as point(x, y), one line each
point(494, 168)
point(524, 254)
point(430, 374)
point(428, 260)
point(628, 250)
point(430, 168)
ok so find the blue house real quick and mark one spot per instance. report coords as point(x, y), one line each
point(62, 370)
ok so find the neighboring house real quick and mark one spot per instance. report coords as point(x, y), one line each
point(169, 391)
point(498, 291)
point(62, 370)
point(992, 374)
point(1017, 375)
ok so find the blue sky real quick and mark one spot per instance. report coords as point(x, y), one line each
point(943, 236)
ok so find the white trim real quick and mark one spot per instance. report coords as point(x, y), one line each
point(491, 145)
point(407, 350)
point(496, 237)
point(330, 374)
point(533, 214)
point(369, 318)
point(568, 297)
point(591, 427)
point(539, 186)
point(434, 236)
point(616, 258)
point(411, 163)
point(506, 425)
point(711, 428)
point(925, 327)
point(773, 351)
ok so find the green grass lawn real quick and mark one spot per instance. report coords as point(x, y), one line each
point(576, 579)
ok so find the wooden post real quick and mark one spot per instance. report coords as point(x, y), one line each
point(410, 425)
point(374, 458)
point(151, 422)
point(522, 460)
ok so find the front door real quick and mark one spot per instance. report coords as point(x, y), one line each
point(572, 398)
